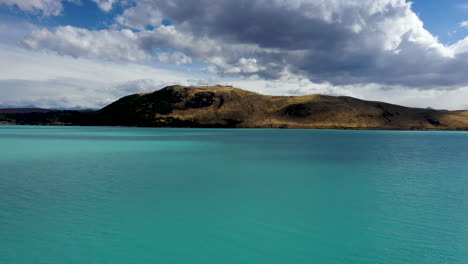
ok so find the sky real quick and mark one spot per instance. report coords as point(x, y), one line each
point(88, 53)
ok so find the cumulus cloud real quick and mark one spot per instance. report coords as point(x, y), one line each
point(464, 24)
point(140, 16)
point(336, 41)
point(116, 45)
point(177, 58)
point(105, 5)
point(245, 66)
point(141, 46)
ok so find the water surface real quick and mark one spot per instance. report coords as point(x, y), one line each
point(146, 195)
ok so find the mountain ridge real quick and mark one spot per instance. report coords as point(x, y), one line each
point(229, 107)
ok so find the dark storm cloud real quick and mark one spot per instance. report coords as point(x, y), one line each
point(336, 41)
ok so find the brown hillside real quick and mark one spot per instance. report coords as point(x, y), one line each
point(221, 106)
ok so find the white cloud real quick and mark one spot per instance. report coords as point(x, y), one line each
point(124, 45)
point(105, 5)
point(177, 58)
point(245, 66)
point(454, 99)
point(464, 24)
point(31, 65)
point(52, 7)
point(12, 31)
point(140, 16)
point(49, 80)
point(116, 45)
point(460, 47)
point(44, 7)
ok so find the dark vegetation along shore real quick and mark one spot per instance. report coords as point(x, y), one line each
point(227, 107)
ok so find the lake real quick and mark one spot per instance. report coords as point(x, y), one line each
point(148, 195)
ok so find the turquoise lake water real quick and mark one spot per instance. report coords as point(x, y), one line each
point(146, 195)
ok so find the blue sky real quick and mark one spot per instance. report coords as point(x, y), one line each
point(87, 53)
point(85, 14)
point(442, 18)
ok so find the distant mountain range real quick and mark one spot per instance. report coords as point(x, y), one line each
point(228, 107)
point(23, 110)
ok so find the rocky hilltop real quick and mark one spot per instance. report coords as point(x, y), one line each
point(228, 107)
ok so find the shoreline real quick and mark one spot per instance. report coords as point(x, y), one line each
point(249, 128)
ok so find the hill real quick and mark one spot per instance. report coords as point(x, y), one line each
point(227, 107)
point(221, 106)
